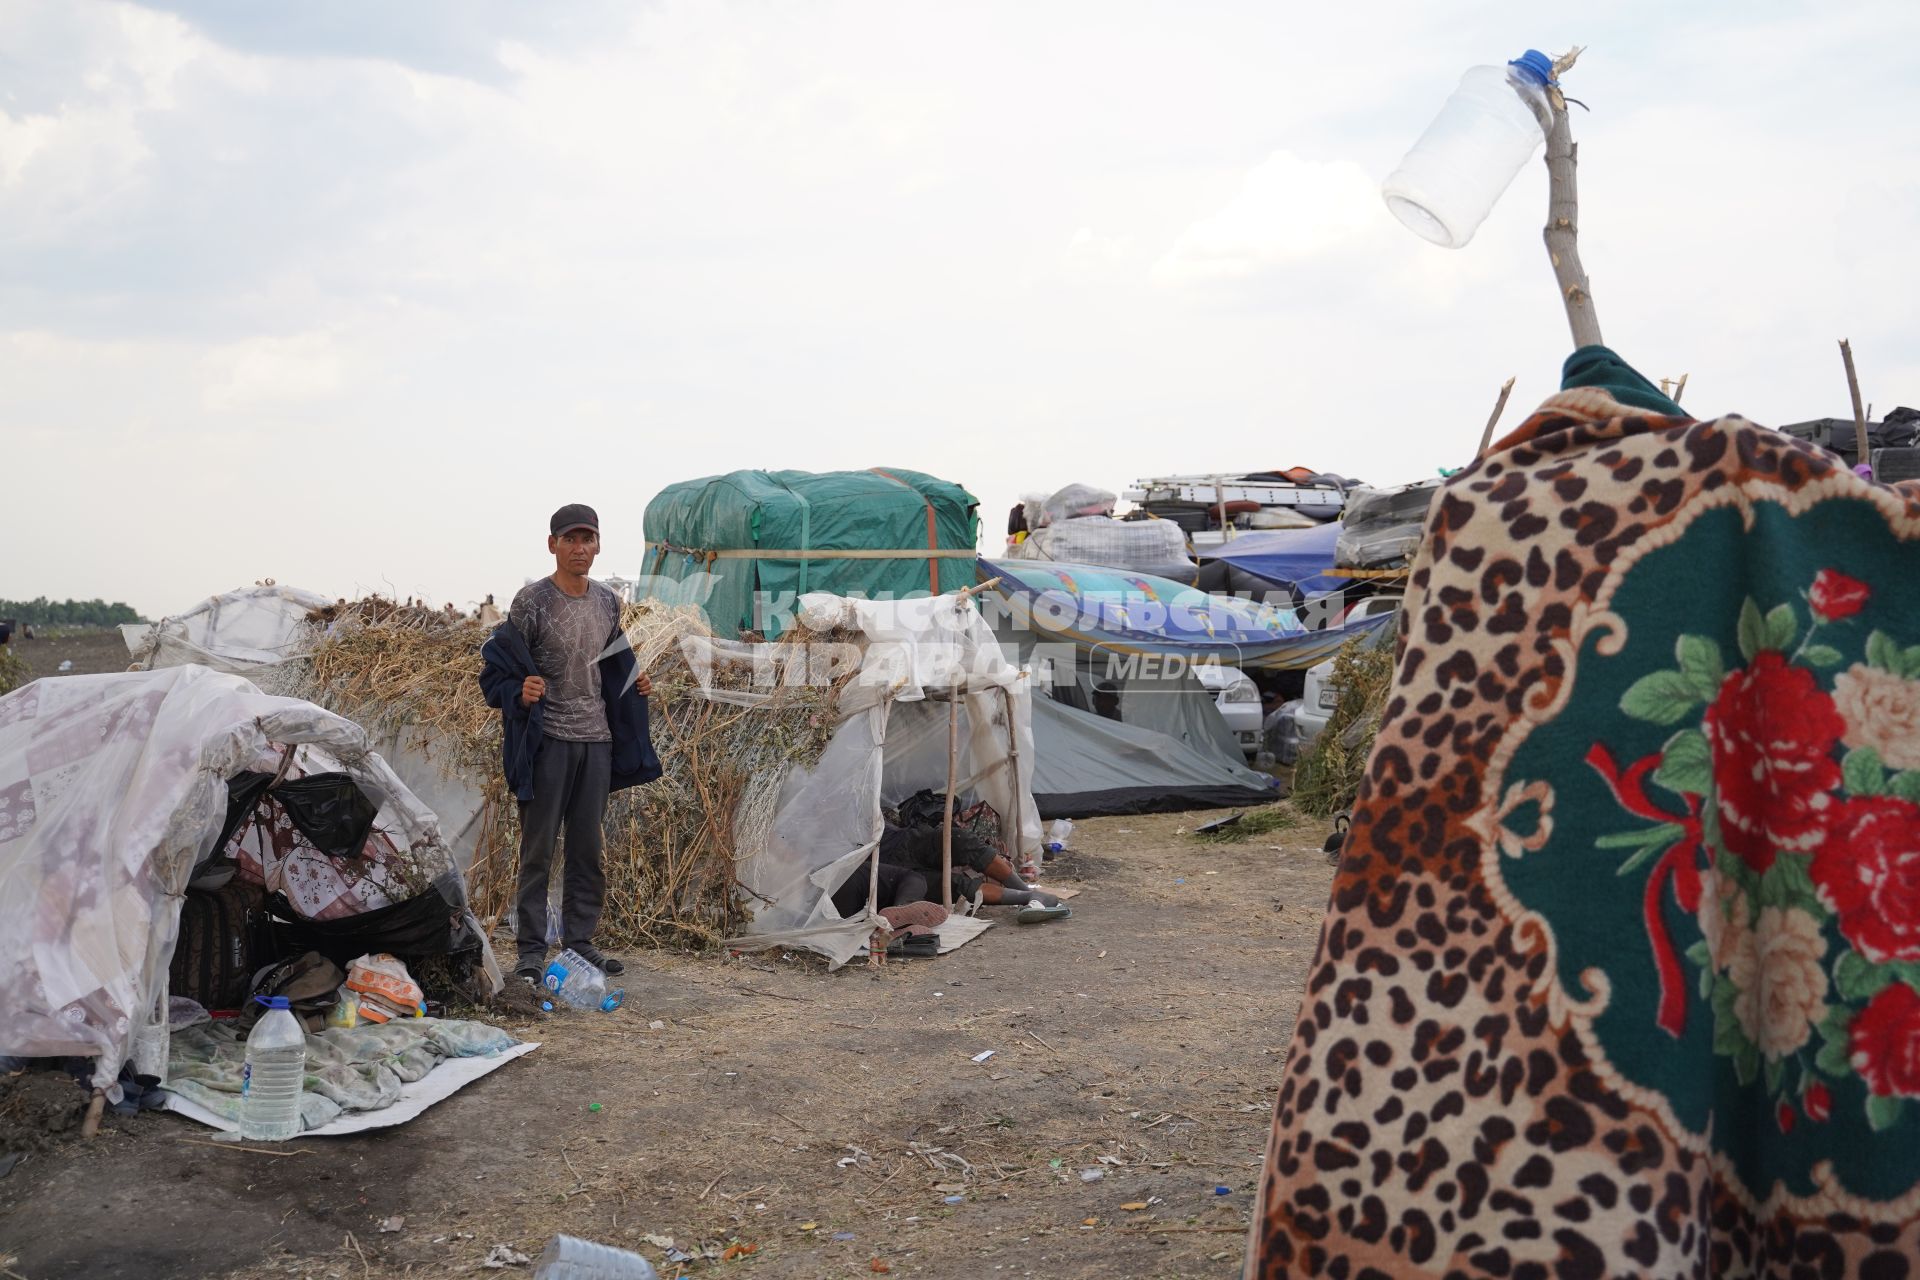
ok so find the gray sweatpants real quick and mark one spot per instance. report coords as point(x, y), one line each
point(570, 781)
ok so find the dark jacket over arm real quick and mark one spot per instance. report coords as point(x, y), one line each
point(508, 662)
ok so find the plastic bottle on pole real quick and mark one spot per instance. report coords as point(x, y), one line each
point(1499, 116)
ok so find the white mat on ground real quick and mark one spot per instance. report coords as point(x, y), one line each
point(442, 1082)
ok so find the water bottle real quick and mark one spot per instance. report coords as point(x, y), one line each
point(1058, 834)
point(571, 1258)
point(581, 984)
point(1489, 129)
point(276, 1070)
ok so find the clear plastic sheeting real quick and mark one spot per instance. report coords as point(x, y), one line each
point(250, 632)
point(914, 656)
point(1076, 501)
point(1382, 527)
point(1147, 546)
point(112, 789)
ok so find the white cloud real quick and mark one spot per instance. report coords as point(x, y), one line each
point(1288, 210)
point(297, 368)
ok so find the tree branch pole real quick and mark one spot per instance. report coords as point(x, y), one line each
point(1562, 231)
point(1486, 437)
point(1859, 414)
point(946, 827)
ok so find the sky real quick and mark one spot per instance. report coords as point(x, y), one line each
point(352, 296)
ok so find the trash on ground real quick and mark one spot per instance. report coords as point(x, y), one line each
point(395, 1223)
point(502, 1256)
point(984, 1054)
point(1092, 1175)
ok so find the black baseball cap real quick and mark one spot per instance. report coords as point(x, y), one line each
point(575, 515)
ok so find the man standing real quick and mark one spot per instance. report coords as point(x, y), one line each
point(574, 711)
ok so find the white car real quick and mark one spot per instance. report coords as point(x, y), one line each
point(1239, 701)
point(1320, 696)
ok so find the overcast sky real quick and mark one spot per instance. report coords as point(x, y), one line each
point(353, 295)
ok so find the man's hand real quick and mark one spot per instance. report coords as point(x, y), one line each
point(644, 684)
point(532, 689)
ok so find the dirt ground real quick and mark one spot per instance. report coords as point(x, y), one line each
point(822, 1118)
point(91, 651)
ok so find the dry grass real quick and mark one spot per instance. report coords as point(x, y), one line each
point(670, 845)
point(13, 671)
point(1327, 778)
point(1253, 824)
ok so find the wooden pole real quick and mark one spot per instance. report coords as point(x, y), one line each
point(1562, 231)
point(946, 829)
point(1680, 387)
point(1486, 437)
point(1859, 414)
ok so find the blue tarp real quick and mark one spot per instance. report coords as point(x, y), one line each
point(1127, 613)
point(1297, 558)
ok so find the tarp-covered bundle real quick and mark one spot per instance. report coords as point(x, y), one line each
point(1621, 974)
point(1381, 527)
point(1076, 526)
point(114, 788)
point(1135, 614)
point(884, 533)
point(1296, 562)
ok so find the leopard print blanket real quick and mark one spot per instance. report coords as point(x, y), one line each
point(1621, 973)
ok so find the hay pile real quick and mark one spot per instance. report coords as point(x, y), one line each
point(670, 846)
point(1327, 778)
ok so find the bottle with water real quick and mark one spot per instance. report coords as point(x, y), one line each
point(276, 1071)
point(1491, 126)
point(1058, 834)
point(571, 1258)
point(581, 984)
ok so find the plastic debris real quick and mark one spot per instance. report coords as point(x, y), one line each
point(880, 1266)
point(593, 1106)
point(984, 1054)
point(843, 1236)
point(1055, 1164)
point(394, 1223)
point(1223, 1190)
point(658, 1241)
point(1134, 1206)
point(809, 1226)
point(1092, 1175)
point(546, 1006)
point(502, 1256)
point(954, 1200)
point(656, 1025)
point(738, 1249)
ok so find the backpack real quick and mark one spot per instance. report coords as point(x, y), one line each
point(214, 957)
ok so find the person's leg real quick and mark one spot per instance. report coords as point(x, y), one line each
point(539, 824)
point(585, 886)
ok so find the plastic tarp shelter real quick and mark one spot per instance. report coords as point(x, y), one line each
point(113, 788)
point(1297, 559)
point(884, 533)
point(1135, 615)
point(914, 655)
point(263, 633)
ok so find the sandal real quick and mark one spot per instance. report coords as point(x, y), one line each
point(1039, 913)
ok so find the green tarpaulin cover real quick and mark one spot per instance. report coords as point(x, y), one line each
point(747, 528)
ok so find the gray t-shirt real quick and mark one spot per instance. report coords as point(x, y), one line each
point(568, 636)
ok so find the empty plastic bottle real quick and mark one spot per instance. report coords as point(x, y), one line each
point(276, 1071)
point(571, 1258)
point(1447, 185)
point(1058, 834)
point(581, 984)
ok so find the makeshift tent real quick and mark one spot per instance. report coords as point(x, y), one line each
point(818, 826)
point(1076, 525)
point(266, 634)
point(1296, 561)
point(797, 828)
point(887, 532)
point(114, 789)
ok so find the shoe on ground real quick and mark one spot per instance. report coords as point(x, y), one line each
point(1040, 912)
point(599, 959)
point(529, 974)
